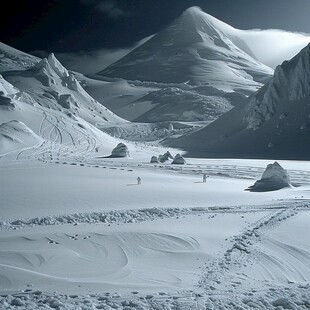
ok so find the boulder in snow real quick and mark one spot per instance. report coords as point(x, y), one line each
point(178, 160)
point(274, 178)
point(154, 160)
point(165, 157)
point(121, 150)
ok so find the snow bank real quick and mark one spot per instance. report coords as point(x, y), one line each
point(16, 135)
point(274, 178)
point(108, 217)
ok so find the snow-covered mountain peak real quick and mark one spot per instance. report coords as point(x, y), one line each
point(51, 66)
point(194, 48)
point(197, 17)
point(193, 11)
point(57, 66)
point(291, 82)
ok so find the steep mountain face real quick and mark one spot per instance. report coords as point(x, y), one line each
point(196, 49)
point(291, 83)
point(274, 124)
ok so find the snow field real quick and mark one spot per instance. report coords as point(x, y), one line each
point(96, 237)
point(106, 185)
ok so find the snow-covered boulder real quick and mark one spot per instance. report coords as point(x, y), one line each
point(178, 160)
point(274, 178)
point(121, 150)
point(165, 157)
point(154, 160)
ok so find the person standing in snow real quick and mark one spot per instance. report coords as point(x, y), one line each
point(139, 180)
point(204, 178)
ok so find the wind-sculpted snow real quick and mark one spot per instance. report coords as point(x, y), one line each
point(221, 285)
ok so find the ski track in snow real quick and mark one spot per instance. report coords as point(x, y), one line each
point(53, 130)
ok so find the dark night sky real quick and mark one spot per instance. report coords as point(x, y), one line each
point(75, 25)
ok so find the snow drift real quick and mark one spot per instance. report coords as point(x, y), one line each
point(15, 135)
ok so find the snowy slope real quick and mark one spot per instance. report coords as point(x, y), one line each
point(158, 102)
point(193, 48)
point(13, 59)
point(274, 123)
point(54, 109)
point(16, 135)
point(51, 85)
point(60, 135)
point(119, 96)
point(180, 103)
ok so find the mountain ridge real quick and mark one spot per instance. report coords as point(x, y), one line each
point(273, 124)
